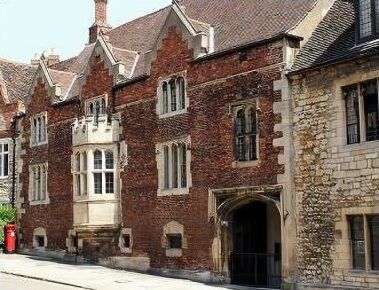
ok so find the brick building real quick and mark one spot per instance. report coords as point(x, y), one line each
point(15, 79)
point(334, 85)
point(166, 144)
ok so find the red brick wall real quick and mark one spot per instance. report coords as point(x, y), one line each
point(207, 122)
point(211, 130)
point(56, 217)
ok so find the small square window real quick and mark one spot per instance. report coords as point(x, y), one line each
point(40, 241)
point(174, 241)
point(126, 241)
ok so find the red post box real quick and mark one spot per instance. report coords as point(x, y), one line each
point(10, 239)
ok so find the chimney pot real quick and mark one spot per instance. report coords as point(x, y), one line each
point(101, 11)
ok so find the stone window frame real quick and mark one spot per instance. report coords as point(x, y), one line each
point(180, 98)
point(246, 106)
point(173, 228)
point(43, 168)
point(160, 149)
point(39, 232)
point(42, 119)
point(90, 149)
point(367, 241)
point(80, 173)
point(121, 242)
point(4, 154)
point(362, 119)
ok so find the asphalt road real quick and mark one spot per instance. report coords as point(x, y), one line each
point(10, 282)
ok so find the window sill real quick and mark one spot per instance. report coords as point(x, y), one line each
point(174, 253)
point(175, 191)
point(38, 144)
point(172, 114)
point(244, 164)
point(39, 202)
point(359, 146)
point(4, 177)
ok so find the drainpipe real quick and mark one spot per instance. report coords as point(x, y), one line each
point(14, 136)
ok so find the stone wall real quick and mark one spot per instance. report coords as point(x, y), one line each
point(332, 179)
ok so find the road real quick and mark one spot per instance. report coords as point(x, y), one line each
point(10, 282)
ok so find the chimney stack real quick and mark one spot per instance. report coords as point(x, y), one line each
point(101, 23)
point(101, 11)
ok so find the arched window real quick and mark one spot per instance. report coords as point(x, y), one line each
point(173, 95)
point(240, 136)
point(78, 162)
point(109, 161)
point(165, 98)
point(175, 166)
point(240, 122)
point(90, 109)
point(97, 160)
point(182, 93)
point(84, 161)
point(103, 107)
point(183, 165)
point(166, 167)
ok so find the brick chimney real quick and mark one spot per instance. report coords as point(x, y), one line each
point(101, 23)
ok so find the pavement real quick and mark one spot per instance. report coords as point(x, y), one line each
point(88, 276)
point(11, 282)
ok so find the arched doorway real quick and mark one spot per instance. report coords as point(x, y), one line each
point(255, 240)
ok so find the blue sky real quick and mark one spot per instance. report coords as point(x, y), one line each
point(34, 26)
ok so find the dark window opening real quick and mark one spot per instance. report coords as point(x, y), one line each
point(40, 241)
point(357, 242)
point(246, 130)
point(126, 241)
point(174, 241)
point(370, 99)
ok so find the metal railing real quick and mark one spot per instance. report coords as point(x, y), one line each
point(259, 270)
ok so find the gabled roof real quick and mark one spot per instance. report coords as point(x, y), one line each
point(17, 79)
point(334, 40)
point(235, 22)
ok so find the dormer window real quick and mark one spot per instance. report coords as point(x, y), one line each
point(368, 15)
point(172, 97)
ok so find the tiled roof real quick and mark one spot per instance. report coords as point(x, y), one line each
point(65, 79)
point(235, 22)
point(333, 40)
point(17, 78)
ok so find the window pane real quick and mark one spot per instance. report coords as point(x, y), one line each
point(103, 107)
point(173, 95)
point(240, 123)
point(84, 187)
point(78, 189)
point(352, 114)
point(241, 148)
point(98, 160)
point(365, 22)
point(109, 182)
point(43, 183)
point(370, 98)
point(253, 147)
point(183, 166)
point(6, 164)
point(90, 109)
point(175, 166)
point(5, 147)
point(373, 223)
point(252, 119)
point(357, 242)
point(182, 93)
point(109, 160)
point(165, 98)
point(78, 162)
point(98, 183)
point(84, 161)
point(166, 167)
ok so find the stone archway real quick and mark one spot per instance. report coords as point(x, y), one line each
point(232, 218)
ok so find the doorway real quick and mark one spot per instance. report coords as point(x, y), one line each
point(256, 245)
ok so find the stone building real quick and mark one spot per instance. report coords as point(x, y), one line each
point(334, 88)
point(166, 144)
